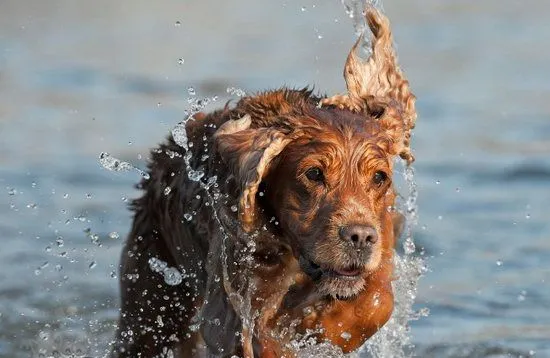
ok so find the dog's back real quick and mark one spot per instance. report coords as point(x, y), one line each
point(163, 264)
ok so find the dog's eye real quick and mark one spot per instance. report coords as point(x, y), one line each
point(315, 174)
point(379, 177)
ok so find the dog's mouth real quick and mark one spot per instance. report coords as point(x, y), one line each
point(342, 282)
point(316, 271)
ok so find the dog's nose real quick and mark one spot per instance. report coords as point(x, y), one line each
point(359, 235)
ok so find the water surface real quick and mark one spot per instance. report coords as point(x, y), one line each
point(81, 78)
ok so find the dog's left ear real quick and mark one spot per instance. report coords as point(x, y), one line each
point(377, 86)
point(249, 152)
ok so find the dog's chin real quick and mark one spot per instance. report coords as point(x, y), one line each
point(338, 283)
point(341, 288)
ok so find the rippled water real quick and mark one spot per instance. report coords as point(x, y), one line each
point(79, 79)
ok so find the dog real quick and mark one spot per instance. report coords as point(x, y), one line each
point(272, 227)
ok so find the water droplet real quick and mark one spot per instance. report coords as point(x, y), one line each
point(180, 135)
point(167, 190)
point(409, 246)
point(178, 23)
point(236, 91)
point(88, 196)
point(376, 299)
point(521, 296)
point(499, 262)
point(159, 321)
point(113, 164)
point(424, 312)
point(181, 61)
point(457, 190)
point(438, 182)
point(59, 241)
point(43, 335)
point(191, 91)
point(195, 175)
point(92, 265)
point(172, 276)
point(303, 9)
point(114, 235)
point(528, 216)
point(156, 265)
point(113, 274)
point(32, 205)
point(65, 196)
point(234, 208)
point(346, 336)
point(212, 181)
point(194, 327)
point(188, 216)
point(12, 191)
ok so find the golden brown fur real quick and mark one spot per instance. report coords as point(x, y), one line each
point(296, 238)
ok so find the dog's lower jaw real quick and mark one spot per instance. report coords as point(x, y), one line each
point(341, 288)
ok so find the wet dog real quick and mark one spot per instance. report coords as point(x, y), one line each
point(272, 223)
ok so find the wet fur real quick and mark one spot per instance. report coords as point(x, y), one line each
point(161, 231)
point(268, 218)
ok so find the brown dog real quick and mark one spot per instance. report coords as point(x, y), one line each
point(291, 241)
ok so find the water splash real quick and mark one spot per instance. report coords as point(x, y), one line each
point(393, 340)
point(171, 275)
point(355, 9)
point(242, 298)
point(116, 165)
point(234, 91)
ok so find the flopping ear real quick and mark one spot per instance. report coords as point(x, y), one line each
point(249, 152)
point(378, 87)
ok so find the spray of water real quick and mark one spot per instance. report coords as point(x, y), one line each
point(393, 340)
point(113, 164)
point(355, 9)
point(241, 299)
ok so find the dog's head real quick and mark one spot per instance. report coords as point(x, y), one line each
point(321, 175)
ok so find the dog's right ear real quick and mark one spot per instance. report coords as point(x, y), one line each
point(249, 153)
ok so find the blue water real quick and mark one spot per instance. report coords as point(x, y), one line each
point(78, 79)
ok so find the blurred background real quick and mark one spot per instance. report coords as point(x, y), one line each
point(80, 78)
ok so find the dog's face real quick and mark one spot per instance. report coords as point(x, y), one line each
point(331, 190)
point(326, 165)
point(325, 183)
